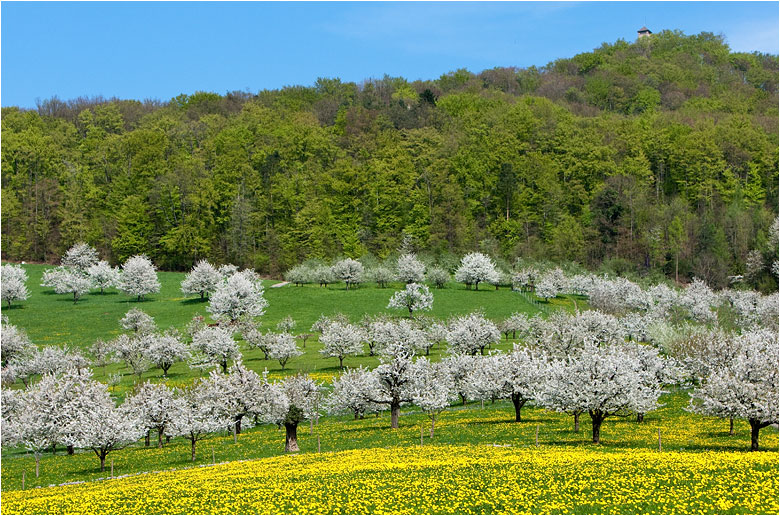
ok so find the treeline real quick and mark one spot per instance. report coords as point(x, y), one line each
point(642, 157)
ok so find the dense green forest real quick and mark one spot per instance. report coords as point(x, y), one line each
point(637, 155)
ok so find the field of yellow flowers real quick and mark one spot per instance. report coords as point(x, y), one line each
point(468, 479)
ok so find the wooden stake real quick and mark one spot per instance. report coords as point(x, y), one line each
point(318, 442)
point(421, 436)
point(659, 438)
point(536, 438)
point(23, 475)
point(112, 468)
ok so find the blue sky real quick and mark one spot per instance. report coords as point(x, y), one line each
point(158, 50)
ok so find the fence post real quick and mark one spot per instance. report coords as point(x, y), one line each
point(421, 436)
point(318, 442)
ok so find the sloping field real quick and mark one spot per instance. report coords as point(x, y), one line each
point(435, 479)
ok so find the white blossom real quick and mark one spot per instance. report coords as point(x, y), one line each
point(340, 340)
point(745, 386)
point(323, 275)
point(15, 345)
point(241, 295)
point(349, 271)
point(470, 334)
point(409, 269)
point(604, 380)
point(103, 276)
point(198, 412)
point(431, 389)
point(12, 283)
point(282, 347)
point(754, 265)
point(65, 280)
point(699, 299)
point(551, 283)
point(438, 276)
point(286, 325)
point(164, 350)
point(139, 277)
point(461, 369)
point(299, 275)
point(351, 393)
point(414, 297)
point(227, 270)
point(302, 396)
point(154, 405)
point(203, 279)
point(475, 268)
point(133, 351)
point(525, 278)
point(393, 380)
point(517, 324)
point(213, 346)
point(617, 296)
point(95, 422)
point(80, 256)
point(137, 321)
point(381, 274)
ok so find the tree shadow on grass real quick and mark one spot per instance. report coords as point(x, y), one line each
point(195, 301)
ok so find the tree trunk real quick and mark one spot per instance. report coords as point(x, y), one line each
point(640, 418)
point(463, 399)
point(193, 449)
point(147, 437)
point(165, 368)
point(518, 403)
point(102, 461)
point(395, 411)
point(238, 424)
point(224, 367)
point(576, 421)
point(159, 437)
point(70, 449)
point(37, 464)
point(755, 426)
point(433, 424)
point(597, 418)
point(676, 264)
point(291, 440)
point(341, 362)
point(731, 426)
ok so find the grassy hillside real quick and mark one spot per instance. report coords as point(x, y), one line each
point(53, 319)
point(461, 425)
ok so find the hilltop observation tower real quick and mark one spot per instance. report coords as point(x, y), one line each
point(643, 33)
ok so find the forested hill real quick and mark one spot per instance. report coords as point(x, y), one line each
point(635, 154)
